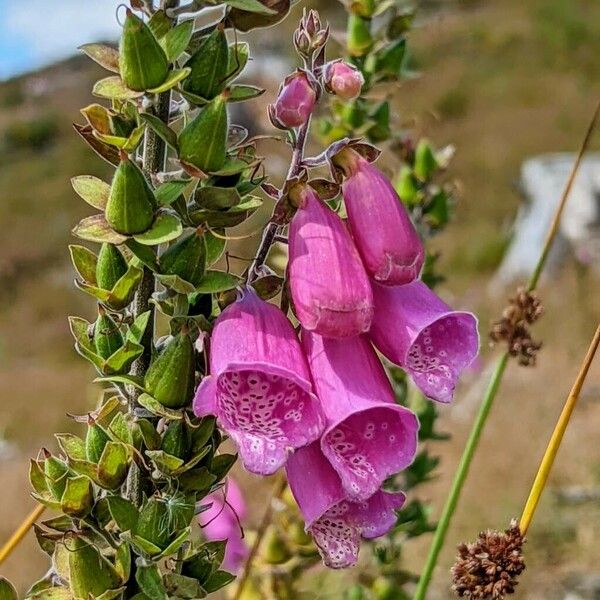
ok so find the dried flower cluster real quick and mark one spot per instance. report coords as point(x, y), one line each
point(489, 567)
point(524, 309)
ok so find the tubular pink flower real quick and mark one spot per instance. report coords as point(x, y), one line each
point(295, 102)
point(343, 80)
point(222, 522)
point(336, 523)
point(388, 243)
point(368, 436)
point(417, 331)
point(259, 384)
point(330, 288)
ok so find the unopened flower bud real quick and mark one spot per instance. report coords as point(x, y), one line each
point(343, 80)
point(295, 103)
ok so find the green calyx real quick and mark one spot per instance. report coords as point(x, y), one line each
point(170, 378)
point(209, 66)
point(143, 64)
point(90, 573)
point(203, 142)
point(111, 266)
point(153, 523)
point(107, 335)
point(186, 258)
point(131, 203)
point(95, 441)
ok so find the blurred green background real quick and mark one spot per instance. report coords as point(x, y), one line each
point(502, 80)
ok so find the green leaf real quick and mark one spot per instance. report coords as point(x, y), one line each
point(93, 190)
point(217, 198)
point(221, 464)
point(96, 229)
point(138, 382)
point(112, 467)
point(251, 6)
point(127, 144)
point(121, 360)
point(123, 559)
point(175, 544)
point(136, 330)
point(268, 287)
point(78, 497)
point(232, 167)
point(143, 546)
point(218, 580)
point(155, 407)
point(112, 594)
point(79, 329)
point(151, 438)
point(180, 586)
point(173, 79)
point(54, 593)
point(123, 291)
point(239, 54)
point(150, 582)
point(72, 445)
point(105, 56)
point(144, 254)
point(164, 462)
point(161, 129)
point(168, 192)
point(98, 117)
point(176, 40)
point(176, 283)
point(92, 290)
point(166, 227)
point(230, 218)
point(159, 24)
point(240, 93)
point(37, 479)
point(123, 512)
point(217, 281)
point(215, 246)
point(120, 430)
point(114, 88)
point(85, 262)
point(108, 153)
point(197, 480)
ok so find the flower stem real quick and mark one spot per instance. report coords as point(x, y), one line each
point(460, 477)
point(465, 462)
point(21, 532)
point(277, 492)
point(557, 436)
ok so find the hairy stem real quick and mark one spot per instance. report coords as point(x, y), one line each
point(492, 390)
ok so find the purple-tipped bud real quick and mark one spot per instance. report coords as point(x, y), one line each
point(416, 330)
point(368, 436)
point(295, 103)
point(388, 243)
point(259, 385)
point(222, 522)
point(330, 288)
point(336, 523)
point(343, 80)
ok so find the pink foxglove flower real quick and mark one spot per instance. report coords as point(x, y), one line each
point(295, 102)
point(330, 288)
point(387, 240)
point(368, 436)
point(416, 330)
point(336, 523)
point(343, 80)
point(222, 522)
point(259, 384)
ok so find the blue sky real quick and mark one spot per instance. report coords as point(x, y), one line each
point(34, 33)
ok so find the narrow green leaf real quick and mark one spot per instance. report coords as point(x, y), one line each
point(122, 293)
point(150, 582)
point(37, 479)
point(123, 559)
point(155, 407)
point(123, 358)
point(136, 330)
point(113, 88)
point(218, 580)
point(168, 192)
point(96, 229)
point(144, 254)
point(176, 40)
point(124, 513)
point(84, 261)
point(175, 544)
point(120, 430)
point(176, 283)
point(166, 227)
point(173, 79)
point(93, 190)
point(239, 54)
point(240, 93)
point(92, 290)
point(164, 462)
point(138, 382)
point(217, 281)
point(159, 24)
point(161, 129)
point(105, 56)
point(215, 246)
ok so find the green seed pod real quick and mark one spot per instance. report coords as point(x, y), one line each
point(209, 66)
point(131, 203)
point(107, 335)
point(170, 378)
point(153, 523)
point(360, 40)
point(90, 574)
point(56, 472)
point(186, 258)
point(111, 266)
point(203, 142)
point(274, 549)
point(177, 440)
point(142, 62)
point(95, 440)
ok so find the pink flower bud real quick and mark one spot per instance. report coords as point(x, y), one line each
point(295, 103)
point(343, 80)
